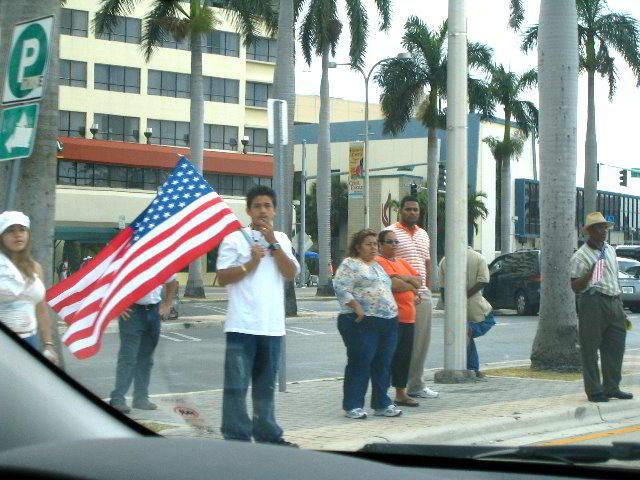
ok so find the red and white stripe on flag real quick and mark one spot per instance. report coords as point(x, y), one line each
point(598, 271)
point(134, 263)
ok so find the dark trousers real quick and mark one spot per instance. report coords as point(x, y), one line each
point(252, 358)
point(139, 336)
point(402, 356)
point(477, 330)
point(370, 346)
point(601, 328)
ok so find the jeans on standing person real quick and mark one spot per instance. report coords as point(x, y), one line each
point(252, 358)
point(139, 336)
point(477, 330)
point(33, 340)
point(370, 346)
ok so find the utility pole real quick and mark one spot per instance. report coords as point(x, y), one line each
point(455, 328)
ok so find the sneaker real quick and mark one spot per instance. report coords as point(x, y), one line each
point(390, 411)
point(356, 414)
point(145, 405)
point(426, 393)
point(121, 407)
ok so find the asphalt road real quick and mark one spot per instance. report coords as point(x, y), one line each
point(191, 359)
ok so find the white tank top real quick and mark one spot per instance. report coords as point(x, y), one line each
point(18, 299)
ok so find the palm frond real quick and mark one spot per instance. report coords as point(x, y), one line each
point(384, 11)
point(528, 79)
point(480, 98)
point(516, 14)
point(416, 37)
point(359, 28)
point(157, 25)
point(248, 15)
point(620, 31)
point(526, 115)
point(529, 38)
point(298, 5)
point(479, 56)
point(307, 36)
point(606, 68)
point(107, 15)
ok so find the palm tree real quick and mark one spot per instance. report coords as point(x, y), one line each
point(319, 35)
point(169, 18)
point(599, 32)
point(403, 84)
point(505, 88)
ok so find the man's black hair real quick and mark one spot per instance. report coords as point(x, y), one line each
point(260, 190)
point(408, 198)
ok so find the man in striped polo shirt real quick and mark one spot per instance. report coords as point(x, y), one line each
point(594, 275)
point(414, 248)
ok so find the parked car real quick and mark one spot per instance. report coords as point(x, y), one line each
point(515, 282)
point(628, 251)
point(627, 264)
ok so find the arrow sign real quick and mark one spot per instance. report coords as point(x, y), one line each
point(18, 131)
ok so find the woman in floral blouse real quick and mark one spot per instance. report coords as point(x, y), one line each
point(368, 326)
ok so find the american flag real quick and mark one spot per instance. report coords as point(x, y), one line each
point(185, 220)
point(598, 271)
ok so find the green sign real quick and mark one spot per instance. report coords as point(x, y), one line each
point(28, 61)
point(18, 131)
point(635, 172)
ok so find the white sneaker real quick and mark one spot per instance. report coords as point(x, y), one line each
point(426, 393)
point(390, 411)
point(356, 414)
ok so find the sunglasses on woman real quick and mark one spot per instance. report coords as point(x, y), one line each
point(392, 242)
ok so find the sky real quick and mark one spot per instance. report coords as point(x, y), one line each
point(617, 133)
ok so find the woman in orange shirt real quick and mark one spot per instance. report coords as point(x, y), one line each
point(405, 282)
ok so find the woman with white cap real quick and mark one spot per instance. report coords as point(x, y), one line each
point(22, 292)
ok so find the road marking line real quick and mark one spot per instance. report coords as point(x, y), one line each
point(187, 336)
point(304, 331)
point(306, 310)
point(591, 436)
point(169, 338)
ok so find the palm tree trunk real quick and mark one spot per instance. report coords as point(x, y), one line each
point(36, 191)
point(323, 187)
point(590, 150)
point(505, 190)
point(432, 206)
point(195, 287)
point(284, 88)
point(554, 346)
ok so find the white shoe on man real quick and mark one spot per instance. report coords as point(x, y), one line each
point(425, 393)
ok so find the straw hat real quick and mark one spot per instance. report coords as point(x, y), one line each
point(594, 218)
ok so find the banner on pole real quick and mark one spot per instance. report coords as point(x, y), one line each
point(356, 170)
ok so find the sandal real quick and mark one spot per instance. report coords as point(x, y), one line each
point(407, 403)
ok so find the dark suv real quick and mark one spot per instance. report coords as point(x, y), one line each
point(515, 282)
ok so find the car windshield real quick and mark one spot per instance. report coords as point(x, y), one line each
point(407, 235)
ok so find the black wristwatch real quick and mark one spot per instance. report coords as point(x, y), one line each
point(274, 246)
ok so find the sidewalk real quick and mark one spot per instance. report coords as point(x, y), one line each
point(311, 416)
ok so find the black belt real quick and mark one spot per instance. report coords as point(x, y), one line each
point(148, 308)
point(605, 295)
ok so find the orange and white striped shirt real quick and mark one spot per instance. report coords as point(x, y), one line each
point(413, 247)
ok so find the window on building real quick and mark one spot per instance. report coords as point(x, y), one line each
point(74, 22)
point(66, 173)
point(257, 94)
point(116, 79)
point(263, 49)
point(169, 84)
point(222, 43)
point(170, 41)
point(72, 124)
point(73, 74)
point(126, 29)
point(117, 128)
point(224, 90)
point(257, 140)
point(168, 132)
point(221, 137)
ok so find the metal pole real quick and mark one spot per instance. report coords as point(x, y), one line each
point(366, 150)
point(303, 210)
point(279, 184)
point(12, 187)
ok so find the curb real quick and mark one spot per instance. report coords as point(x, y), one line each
point(511, 426)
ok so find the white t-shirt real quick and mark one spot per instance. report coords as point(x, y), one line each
point(256, 303)
point(155, 295)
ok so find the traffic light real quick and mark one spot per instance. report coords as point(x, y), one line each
point(442, 177)
point(414, 190)
point(623, 177)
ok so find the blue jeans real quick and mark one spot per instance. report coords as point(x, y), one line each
point(370, 347)
point(477, 330)
point(33, 340)
point(254, 358)
point(139, 336)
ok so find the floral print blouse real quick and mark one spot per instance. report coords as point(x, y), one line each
point(368, 284)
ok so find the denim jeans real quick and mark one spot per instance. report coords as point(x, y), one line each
point(254, 358)
point(477, 330)
point(370, 347)
point(139, 336)
point(33, 340)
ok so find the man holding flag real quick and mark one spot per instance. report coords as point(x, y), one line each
point(253, 264)
point(602, 321)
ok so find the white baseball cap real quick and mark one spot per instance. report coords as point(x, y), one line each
point(9, 218)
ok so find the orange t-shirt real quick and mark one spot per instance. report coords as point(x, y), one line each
point(404, 300)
